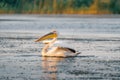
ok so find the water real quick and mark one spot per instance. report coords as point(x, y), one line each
point(96, 38)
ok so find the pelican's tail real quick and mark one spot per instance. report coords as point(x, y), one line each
point(77, 53)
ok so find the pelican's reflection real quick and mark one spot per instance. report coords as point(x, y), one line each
point(50, 69)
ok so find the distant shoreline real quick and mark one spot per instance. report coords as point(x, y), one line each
point(59, 16)
point(82, 16)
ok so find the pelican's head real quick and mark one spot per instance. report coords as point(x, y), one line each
point(50, 35)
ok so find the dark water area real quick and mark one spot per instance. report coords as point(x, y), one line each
point(98, 40)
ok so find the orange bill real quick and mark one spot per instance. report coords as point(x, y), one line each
point(47, 36)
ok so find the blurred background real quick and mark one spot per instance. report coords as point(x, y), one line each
point(91, 27)
point(59, 6)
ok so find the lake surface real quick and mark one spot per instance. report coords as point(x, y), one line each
point(98, 40)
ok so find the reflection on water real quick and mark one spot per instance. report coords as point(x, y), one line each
point(49, 67)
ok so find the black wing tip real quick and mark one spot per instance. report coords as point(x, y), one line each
point(70, 49)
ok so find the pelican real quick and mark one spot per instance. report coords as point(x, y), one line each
point(49, 51)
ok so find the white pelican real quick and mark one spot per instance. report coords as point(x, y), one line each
point(55, 51)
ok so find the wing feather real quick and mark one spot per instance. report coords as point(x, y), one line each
point(67, 49)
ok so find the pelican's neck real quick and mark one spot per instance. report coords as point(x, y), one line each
point(45, 48)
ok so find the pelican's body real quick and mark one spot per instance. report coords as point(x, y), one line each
point(55, 51)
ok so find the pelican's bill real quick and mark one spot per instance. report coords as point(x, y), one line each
point(47, 36)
